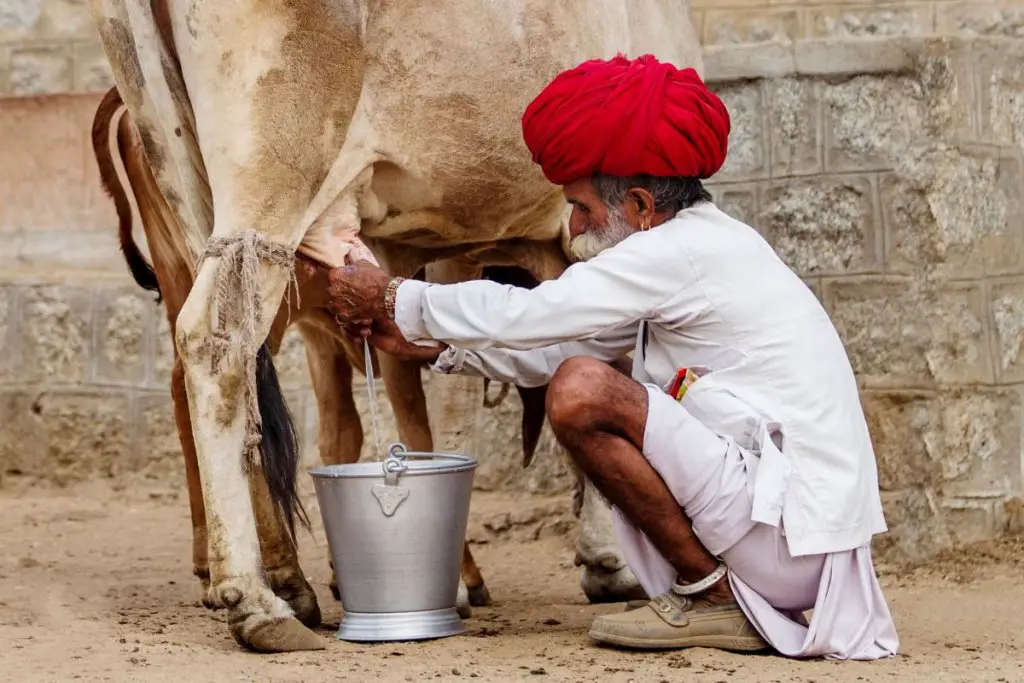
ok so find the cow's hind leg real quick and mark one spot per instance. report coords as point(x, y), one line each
point(340, 430)
point(219, 334)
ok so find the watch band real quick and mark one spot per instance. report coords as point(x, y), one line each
point(390, 295)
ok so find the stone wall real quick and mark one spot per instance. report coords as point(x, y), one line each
point(888, 174)
point(883, 164)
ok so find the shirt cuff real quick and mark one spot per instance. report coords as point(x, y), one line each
point(450, 362)
point(409, 309)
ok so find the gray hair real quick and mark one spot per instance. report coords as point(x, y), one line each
point(671, 194)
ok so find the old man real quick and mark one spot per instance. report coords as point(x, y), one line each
point(736, 458)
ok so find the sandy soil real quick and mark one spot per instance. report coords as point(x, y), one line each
point(95, 585)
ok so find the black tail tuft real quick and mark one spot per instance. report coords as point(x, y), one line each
point(280, 446)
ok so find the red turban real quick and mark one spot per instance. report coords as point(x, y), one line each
point(626, 117)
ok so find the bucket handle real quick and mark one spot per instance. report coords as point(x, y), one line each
point(394, 465)
point(389, 494)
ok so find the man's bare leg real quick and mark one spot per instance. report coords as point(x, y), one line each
point(599, 416)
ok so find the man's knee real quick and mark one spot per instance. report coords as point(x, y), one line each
point(578, 392)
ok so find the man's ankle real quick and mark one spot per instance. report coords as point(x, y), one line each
point(719, 594)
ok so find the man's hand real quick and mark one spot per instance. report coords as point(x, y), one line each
point(385, 336)
point(357, 292)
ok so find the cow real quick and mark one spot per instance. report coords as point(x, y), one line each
point(332, 355)
point(304, 126)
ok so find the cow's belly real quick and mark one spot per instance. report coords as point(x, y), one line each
point(445, 95)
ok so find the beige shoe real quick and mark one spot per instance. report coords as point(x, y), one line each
point(672, 621)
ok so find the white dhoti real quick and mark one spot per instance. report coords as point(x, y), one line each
point(710, 478)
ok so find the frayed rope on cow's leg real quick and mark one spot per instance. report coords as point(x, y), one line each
point(237, 313)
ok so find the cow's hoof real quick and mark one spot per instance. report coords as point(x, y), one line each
point(462, 605)
point(291, 586)
point(603, 586)
point(479, 596)
point(263, 622)
point(283, 635)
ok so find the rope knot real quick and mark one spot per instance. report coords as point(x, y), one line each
point(237, 312)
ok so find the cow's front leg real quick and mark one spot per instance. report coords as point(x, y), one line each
point(606, 578)
point(219, 332)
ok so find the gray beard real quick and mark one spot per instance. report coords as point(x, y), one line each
point(593, 241)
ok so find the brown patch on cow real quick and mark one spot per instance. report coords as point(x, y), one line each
point(177, 131)
point(302, 110)
point(117, 36)
point(231, 387)
point(227, 67)
point(154, 151)
point(190, 20)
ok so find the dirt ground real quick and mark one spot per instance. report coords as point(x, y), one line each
point(96, 585)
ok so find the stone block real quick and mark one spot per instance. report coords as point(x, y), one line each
point(122, 329)
point(1000, 79)
point(977, 440)
point(970, 521)
point(747, 156)
point(10, 359)
point(728, 63)
point(902, 334)
point(732, 28)
point(870, 121)
point(957, 442)
point(65, 436)
point(18, 19)
point(852, 56)
point(156, 449)
point(997, 19)
point(55, 334)
point(739, 201)
point(870, 22)
point(41, 70)
point(1008, 321)
point(794, 126)
point(822, 225)
point(897, 421)
point(92, 70)
point(917, 526)
point(36, 20)
point(954, 213)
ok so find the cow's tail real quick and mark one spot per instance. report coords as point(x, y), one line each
point(279, 447)
point(108, 109)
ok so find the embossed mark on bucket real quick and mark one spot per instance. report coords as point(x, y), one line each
point(389, 497)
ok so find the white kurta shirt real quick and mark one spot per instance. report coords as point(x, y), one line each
point(714, 296)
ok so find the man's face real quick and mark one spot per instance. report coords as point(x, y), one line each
point(593, 226)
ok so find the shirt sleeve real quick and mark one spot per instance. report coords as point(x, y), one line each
point(632, 281)
point(535, 367)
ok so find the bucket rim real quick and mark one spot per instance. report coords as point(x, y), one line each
point(451, 463)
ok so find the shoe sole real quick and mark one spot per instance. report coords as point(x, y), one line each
point(736, 644)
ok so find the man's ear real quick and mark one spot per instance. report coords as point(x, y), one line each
point(644, 202)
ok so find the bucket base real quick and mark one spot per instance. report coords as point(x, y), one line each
point(363, 627)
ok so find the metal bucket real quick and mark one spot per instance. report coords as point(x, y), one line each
point(395, 530)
